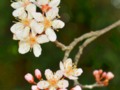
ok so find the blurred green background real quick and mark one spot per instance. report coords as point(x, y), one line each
point(80, 16)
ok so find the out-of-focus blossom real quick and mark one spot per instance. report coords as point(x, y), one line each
point(69, 69)
point(103, 77)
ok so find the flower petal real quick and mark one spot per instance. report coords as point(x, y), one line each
point(43, 84)
point(31, 8)
point(38, 16)
point(77, 88)
point(58, 75)
point(16, 5)
point(72, 78)
point(54, 3)
point(58, 24)
point(18, 12)
point(34, 87)
point(62, 84)
point(42, 2)
point(24, 47)
point(17, 26)
point(78, 72)
point(68, 63)
point(37, 50)
point(62, 66)
point(42, 39)
point(52, 13)
point(52, 88)
point(51, 34)
point(49, 74)
point(37, 27)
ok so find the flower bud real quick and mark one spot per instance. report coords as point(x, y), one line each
point(34, 87)
point(110, 75)
point(29, 78)
point(38, 74)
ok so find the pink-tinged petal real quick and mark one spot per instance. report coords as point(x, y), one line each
point(31, 8)
point(38, 17)
point(72, 77)
point(29, 78)
point(37, 50)
point(68, 63)
point(77, 88)
point(42, 2)
point(34, 87)
point(110, 75)
point(62, 66)
point(49, 74)
point(36, 27)
point(51, 34)
point(54, 3)
point(24, 47)
point(78, 72)
point(58, 24)
point(52, 13)
point(38, 74)
point(58, 75)
point(43, 84)
point(63, 84)
point(42, 39)
point(16, 27)
point(18, 12)
point(16, 5)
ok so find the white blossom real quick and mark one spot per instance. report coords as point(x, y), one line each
point(32, 42)
point(53, 81)
point(21, 6)
point(69, 69)
point(25, 25)
point(49, 23)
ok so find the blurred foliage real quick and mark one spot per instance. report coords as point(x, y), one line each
point(80, 16)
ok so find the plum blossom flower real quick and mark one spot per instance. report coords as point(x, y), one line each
point(22, 28)
point(69, 70)
point(50, 23)
point(53, 81)
point(48, 5)
point(32, 41)
point(21, 6)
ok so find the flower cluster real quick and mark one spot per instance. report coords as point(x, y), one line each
point(34, 28)
point(57, 80)
point(103, 77)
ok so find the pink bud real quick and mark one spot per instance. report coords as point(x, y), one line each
point(29, 78)
point(34, 87)
point(104, 74)
point(100, 71)
point(38, 74)
point(76, 88)
point(62, 89)
point(110, 75)
point(95, 72)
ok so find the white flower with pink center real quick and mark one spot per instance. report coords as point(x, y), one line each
point(50, 23)
point(21, 6)
point(69, 69)
point(32, 42)
point(48, 5)
point(54, 81)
